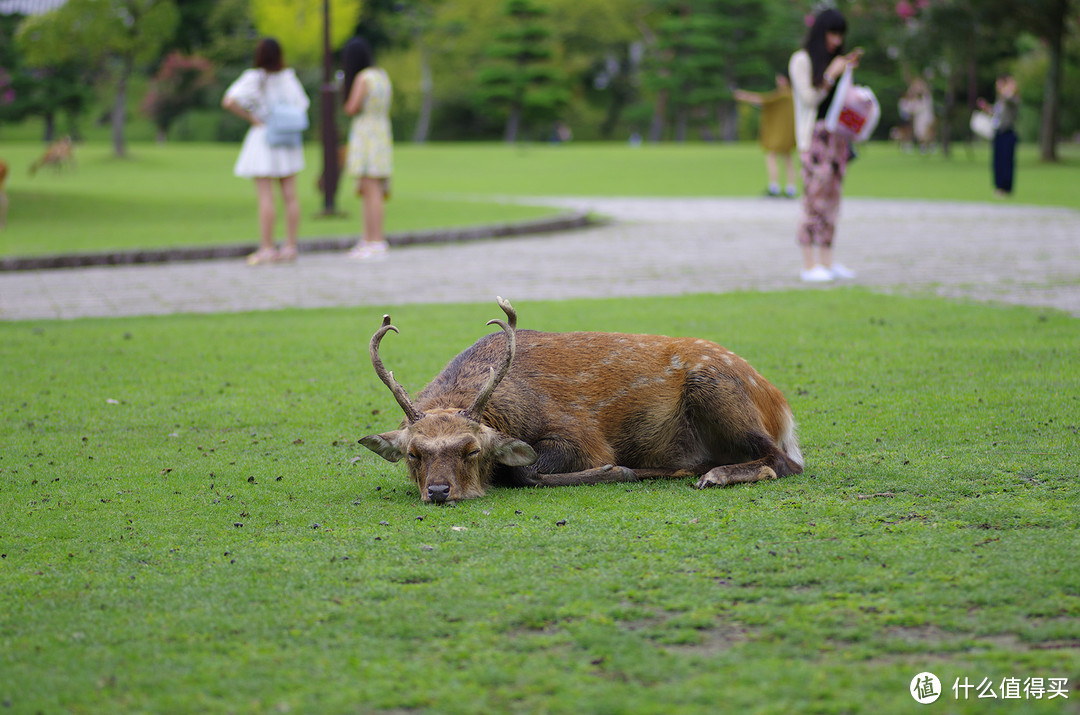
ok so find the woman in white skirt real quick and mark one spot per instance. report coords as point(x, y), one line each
point(249, 98)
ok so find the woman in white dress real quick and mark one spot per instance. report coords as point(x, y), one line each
point(249, 98)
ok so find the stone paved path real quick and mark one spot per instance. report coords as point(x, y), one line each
point(999, 252)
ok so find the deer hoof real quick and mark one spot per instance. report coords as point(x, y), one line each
point(712, 479)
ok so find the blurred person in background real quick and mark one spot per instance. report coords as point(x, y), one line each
point(370, 154)
point(777, 131)
point(917, 105)
point(1005, 109)
point(249, 98)
point(814, 70)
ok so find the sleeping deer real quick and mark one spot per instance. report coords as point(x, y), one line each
point(527, 408)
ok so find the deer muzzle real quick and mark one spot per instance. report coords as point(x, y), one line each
point(438, 493)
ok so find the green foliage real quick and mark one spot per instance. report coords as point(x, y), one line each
point(960, 46)
point(113, 36)
point(704, 48)
point(31, 91)
point(298, 25)
point(92, 30)
point(522, 82)
point(171, 501)
point(601, 88)
point(231, 29)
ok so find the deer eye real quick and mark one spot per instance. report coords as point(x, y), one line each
point(472, 453)
point(414, 456)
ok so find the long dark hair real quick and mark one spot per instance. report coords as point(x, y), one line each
point(268, 55)
point(827, 21)
point(356, 56)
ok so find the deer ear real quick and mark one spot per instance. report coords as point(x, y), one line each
point(512, 452)
point(389, 445)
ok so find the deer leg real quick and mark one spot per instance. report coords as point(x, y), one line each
point(652, 473)
point(607, 474)
point(727, 474)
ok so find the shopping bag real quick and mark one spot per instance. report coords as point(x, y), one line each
point(854, 112)
point(982, 124)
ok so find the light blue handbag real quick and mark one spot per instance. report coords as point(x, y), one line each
point(285, 125)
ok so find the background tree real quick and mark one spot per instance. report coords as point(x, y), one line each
point(523, 81)
point(600, 53)
point(229, 38)
point(964, 44)
point(409, 25)
point(298, 26)
point(179, 86)
point(38, 92)
point(1051, 22)
point(687, 65)
point(703, 50)
point(111, 36)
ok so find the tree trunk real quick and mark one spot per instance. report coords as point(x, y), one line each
point(513, 123)
point(729, 121)
point(119, 109)
point(1052, 91)
point(656, 126)
point(948, 111)
point(427, 99)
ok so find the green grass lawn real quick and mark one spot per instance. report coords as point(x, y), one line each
point(188, 525)
point(185, 194)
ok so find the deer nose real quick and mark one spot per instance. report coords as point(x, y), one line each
point(438, 493)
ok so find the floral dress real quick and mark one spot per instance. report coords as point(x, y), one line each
point(371, 150)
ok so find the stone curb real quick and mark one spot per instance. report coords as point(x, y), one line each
point(551, 224)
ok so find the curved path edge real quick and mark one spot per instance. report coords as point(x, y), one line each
point(560, 222)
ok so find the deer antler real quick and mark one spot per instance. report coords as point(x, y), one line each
point(402, 397)
point(494, 378)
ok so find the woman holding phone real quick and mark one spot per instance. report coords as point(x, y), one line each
point(814, 70)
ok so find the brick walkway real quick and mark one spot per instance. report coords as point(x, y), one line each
point(1000, 252)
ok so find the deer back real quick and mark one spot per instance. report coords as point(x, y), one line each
point(620, 386)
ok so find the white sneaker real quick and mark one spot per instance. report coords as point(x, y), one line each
point(817, 274)
point(839, 270)
point(366, 251)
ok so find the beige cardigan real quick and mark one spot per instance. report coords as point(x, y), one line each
point(807, 98)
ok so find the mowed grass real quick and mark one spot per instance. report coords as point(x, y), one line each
point(185, 194)
point(188, 525)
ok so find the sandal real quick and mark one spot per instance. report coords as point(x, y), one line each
point(262, 257)
point(369, 251)
point(287, 254)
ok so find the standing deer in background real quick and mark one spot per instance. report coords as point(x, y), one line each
point(59, 154)
point(525, 408)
